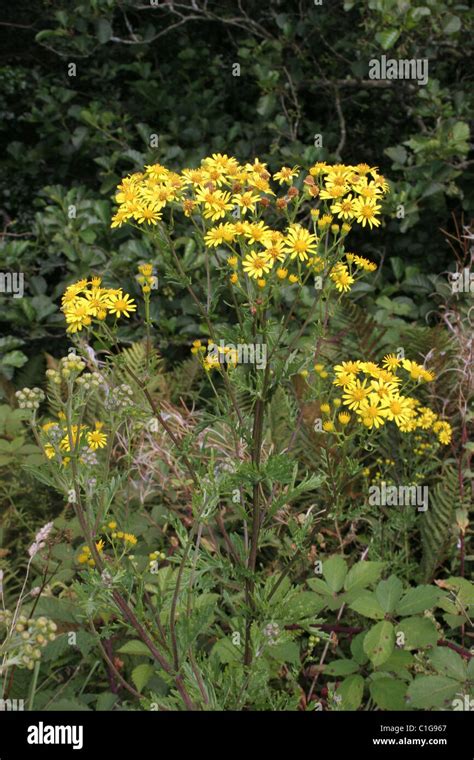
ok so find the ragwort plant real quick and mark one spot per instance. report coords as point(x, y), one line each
point(208, 593)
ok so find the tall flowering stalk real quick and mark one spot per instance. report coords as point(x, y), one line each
point(271, 251)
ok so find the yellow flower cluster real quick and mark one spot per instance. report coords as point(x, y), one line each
point(86, 300)
point(59, 439)
point(145, 278)
point(216, 356)
point(376, 398)
point(129, 539)
point(233, 197)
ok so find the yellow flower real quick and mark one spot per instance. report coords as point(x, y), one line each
point(223, 233)
point(257, 264)
point(341, 278)
point(365, 211)
point(325, 408)
point(256, 232)
point(344, 208)
point(391, 362)
point(397, 409)
point(371, 412)
point(286, 175)
point(282, 273)
point(78, 315)
point(328, 426)
point(300, 243)
point(149, 214)
point(355, 393)
point(344, 418)
point(120, 304)
point(246, 201)
point(96, 439)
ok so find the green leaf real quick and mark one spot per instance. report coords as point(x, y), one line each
point(451, 24)
point(351, 691)
point(398, 662)
point(286, 652)
point(448, 663)
point(14, 359)
point(301, 606)
point(106, 701)
point(387, 38)
point(141, 675)
point(135, 647)
point(397, 153)
point(68, 705)
point(104, 30)
point(367, 604)
point(341, 668)
point(418, 599)
point(379, 642)
point(419, 632)
point(334, 572)
point(431, 691)
point(389, 592)
point(226, 651)
point(389, 693)
point(357, 648)
point(362, 574)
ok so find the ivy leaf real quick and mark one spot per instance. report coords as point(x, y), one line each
point(379, 642)
point(335, 571)
point(389, 592)
point(431, 691)
point(418, 599)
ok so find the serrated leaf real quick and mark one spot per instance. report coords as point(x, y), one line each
point(418, 599)
point(334, 572)
point(419, 632)
point(387, 38)
point(431, 691)
point(357, 648)
point(135, 647)
point(362, 574)
point(351, 691)
point(448, 663)
point(141, 675)
point(341, 668)
point(368, 605)
point(389, 693)
point(380, 642)
point(389, 592)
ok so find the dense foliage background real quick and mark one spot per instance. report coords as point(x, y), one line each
point(147, 73)
point(91, 90)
